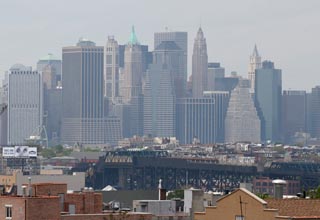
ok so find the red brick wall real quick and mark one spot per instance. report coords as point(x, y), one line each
point(43, 208)
point(85, 202)
point(18, 207)
point(44, 189)
point(98, 202)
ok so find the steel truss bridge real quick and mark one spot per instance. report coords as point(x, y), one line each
point(143, 169)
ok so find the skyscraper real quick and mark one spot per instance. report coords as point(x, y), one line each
point(199, 65)
point(195, 120)
point(214, 71)
point(131, 90)
point(268, 90)
point(82, 94)
point(168, 53)
point(24, 104)
point(242, 122)
point(53, 62)
point(255, 63)
point(159, 102)
point(180, 38)
point(111, 69)
point(132, 85)
point(294, 113)
point(315, 112)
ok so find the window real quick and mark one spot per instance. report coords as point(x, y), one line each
point(8, 211)
point(239, 217)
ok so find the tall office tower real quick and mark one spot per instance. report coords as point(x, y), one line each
point(111, 69)
point(24, 104)
point(3, 124)
point(221, 100)
point(159, 102)
point(52, 105)
point(82, 94)
point(180, 38)
point(53, 62)
point(131, 90)
point(132, 69)
point(195, 120)
point(146, 56)
point(268, 90)
point(255, 63)
point(294, 114)
point(199, 65)
point(214, 71)
point(149, 123)
point(170, 54)
point(315, 112)
point(49, 77)
point(242, 122)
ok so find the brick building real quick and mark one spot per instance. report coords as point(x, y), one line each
point(50, 201)
point(264, 185)
point(244, 205)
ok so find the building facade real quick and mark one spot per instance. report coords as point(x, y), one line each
point(168, 53)
point(199, 65)
point(180, 39)
point(25, 106)
point(195, 120)
point(268, 90)
point(255, 63)
point(111, 69)
point(315, 112)
point(82, 94)
point(242, 122)
point(214, 71)
point(294, 113)
point(53, 62)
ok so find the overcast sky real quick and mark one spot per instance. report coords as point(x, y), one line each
point(285, 31)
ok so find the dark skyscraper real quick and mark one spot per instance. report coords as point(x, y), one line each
point(168, 53)
point(180, 38)
point(82, 94)
point(315, 112)
point(199, 65)
point(294, 113)
point(268, 91)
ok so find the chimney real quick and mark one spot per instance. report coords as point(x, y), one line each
point(24, 191)
point(278, 188)
point(29, 186)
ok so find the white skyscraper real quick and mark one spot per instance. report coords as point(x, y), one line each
point(255, 63)
point(242, 122)
point(24, 104)
point(111, 69)
point(199, 65)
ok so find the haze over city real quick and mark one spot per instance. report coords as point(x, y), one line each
point(285, 31)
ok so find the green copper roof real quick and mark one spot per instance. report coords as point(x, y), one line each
point(50, 56)
point(133, 38)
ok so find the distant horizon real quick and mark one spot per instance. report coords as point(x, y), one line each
point(285, 31)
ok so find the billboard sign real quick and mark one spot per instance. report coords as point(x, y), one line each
point(8, 151)
point(32, 152)
point(19, 152)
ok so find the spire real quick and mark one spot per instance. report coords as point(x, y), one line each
point(255, 51)
point(133, 38)
point(200, 33)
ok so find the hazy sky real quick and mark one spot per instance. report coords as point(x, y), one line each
point(285, 31)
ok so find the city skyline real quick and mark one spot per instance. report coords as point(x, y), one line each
point(284, 32)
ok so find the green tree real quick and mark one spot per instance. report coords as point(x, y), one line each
point(179, 193)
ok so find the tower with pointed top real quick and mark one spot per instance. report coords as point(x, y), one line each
point(199, 65)
point(255, 63)
point(131, 90)
point(133, 68)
